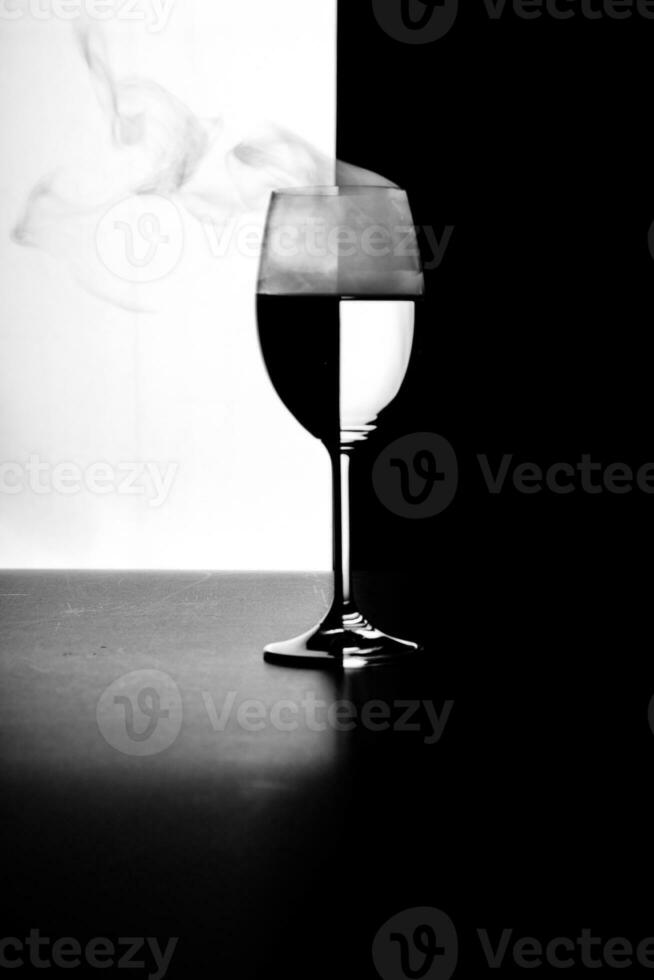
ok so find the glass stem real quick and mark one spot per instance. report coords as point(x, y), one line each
point(342, 604)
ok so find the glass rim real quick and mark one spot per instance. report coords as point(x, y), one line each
point(333, 190)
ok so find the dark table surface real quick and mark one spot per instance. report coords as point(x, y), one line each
point(144, 796)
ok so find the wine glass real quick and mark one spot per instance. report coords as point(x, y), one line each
point(339, 280)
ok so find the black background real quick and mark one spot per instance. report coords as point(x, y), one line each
point(532, 139)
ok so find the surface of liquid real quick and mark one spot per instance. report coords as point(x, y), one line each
point(336, 363)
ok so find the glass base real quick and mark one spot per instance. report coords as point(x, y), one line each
point(345, 643)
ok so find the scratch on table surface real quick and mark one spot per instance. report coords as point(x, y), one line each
point(38, 668)
point(41, 621)
point(14, 595)
point(134, 604)
point(185, 588)
point(69, 611)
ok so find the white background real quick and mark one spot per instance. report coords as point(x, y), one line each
point(84, 380)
